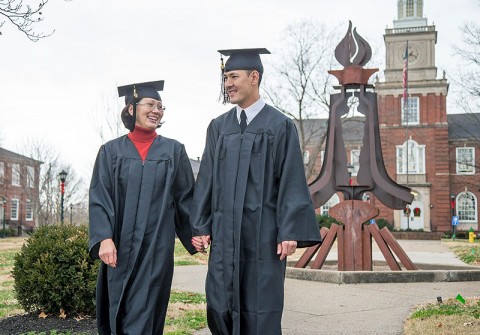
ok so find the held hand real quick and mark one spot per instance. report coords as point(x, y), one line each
point(108, 252)
point(286, 248)
point(201, 243)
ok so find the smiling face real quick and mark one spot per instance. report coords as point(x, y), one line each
point(242, 87)
point(149, 113)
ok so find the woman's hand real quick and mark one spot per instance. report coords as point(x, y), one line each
point(108, 252)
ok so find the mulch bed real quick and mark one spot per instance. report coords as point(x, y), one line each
point(24, 323)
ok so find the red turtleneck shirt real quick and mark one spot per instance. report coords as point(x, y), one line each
point(143, 139)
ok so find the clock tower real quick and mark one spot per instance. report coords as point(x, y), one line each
point(414, 132)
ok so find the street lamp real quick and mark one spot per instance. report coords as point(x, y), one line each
point(4, 205)
point(452, 203)
point(71, 213)
point(63, 176)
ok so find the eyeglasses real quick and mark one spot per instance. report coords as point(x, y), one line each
point(151, 106)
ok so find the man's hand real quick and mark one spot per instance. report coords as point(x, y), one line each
point(286, 248)
point(108, 252)
point(201, 243)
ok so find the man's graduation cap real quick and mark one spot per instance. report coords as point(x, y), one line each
point(133, 93)
point(241, 59)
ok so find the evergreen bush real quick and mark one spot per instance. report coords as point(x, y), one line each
point(53, 271)
point(326, 221)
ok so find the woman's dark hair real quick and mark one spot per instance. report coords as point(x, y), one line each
point(127, 119)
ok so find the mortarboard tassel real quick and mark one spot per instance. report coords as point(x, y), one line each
point(223, 92)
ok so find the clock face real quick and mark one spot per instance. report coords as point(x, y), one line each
point(413, 53)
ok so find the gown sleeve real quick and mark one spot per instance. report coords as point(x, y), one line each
point(101, 209)
point(201, 220)
point(296, 220)
point(182, 190)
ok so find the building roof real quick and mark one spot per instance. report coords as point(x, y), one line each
point(464, 126)
point(14, 156)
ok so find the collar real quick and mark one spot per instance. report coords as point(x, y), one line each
point(251, 110)
point(144, 135)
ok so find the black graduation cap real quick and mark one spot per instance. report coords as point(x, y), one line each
point(244, 59)
point(135, 92)
point(240, 59)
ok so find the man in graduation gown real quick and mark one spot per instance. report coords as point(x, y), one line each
point(140, 196)
point(251, 203)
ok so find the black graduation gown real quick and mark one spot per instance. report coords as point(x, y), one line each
point(251, 194)
point(140, 205)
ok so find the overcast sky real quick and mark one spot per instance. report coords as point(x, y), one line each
point(52, 89)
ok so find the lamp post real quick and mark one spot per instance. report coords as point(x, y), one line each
point(63, 176)
point(71, 213)
point(452, 203)
point(4, 205)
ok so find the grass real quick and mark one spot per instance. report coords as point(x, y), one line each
point(186, 312)
point(182, 257)
point(465, 251)
point(449, 317)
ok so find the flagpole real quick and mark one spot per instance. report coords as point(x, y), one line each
point(406, 111)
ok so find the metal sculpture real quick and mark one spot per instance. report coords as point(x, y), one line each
point(354, 238)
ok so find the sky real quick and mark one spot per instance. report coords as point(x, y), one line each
point(55, 90)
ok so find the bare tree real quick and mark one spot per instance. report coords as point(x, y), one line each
point(48, 201)
point(24, 16)
point(301, 85)
point(468, 78)
point(106, 118)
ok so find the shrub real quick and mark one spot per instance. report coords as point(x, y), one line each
point(7, 232)
point(53, 271)
point(326, 221)
point(384, 223)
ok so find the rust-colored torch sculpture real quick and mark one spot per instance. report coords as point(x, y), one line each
point(353, 237)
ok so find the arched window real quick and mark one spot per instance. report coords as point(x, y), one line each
point(467, 207)
point(329, 204)
point(410, 158)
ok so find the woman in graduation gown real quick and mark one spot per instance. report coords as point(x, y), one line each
point(140, 195)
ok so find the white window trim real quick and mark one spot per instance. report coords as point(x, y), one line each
point(17, 207)
point(2, 172)
point(458, 163)
point(27, 205)
point(335, 199)
point(19, 175)
point(420, 160)
point(476, 208)
point(30, 176)
point(416, 110)
point(355, 162)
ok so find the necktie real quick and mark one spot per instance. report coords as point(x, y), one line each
point(243, 121)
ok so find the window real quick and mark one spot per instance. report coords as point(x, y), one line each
point(306, 157)
point(2, 172)
point(355, 160)
point(465, 160)
point(15, 175)
point(410, 8)
point(14, 209)
point(30, 176)
point(411, 112)
point(466, 207)
point(329, 204)
point(412, 155)
point(29, 211)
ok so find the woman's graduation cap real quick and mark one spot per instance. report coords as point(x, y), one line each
point(133, 93)
point(240, 59)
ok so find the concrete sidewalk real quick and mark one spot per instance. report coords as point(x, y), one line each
point(325, 308)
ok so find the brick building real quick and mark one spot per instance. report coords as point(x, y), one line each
point(433, 153)
point(19, 189)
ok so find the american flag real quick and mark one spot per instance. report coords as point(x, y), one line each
point(405, 75)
